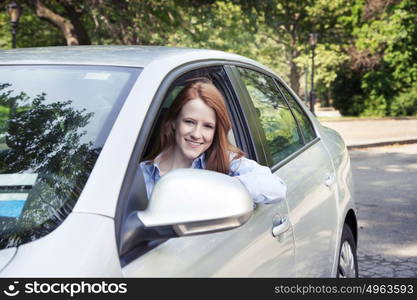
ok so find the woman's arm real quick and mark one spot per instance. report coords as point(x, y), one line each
point(262, 185)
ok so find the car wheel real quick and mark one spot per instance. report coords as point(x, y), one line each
point(348, 261)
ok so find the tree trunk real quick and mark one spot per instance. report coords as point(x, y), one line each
point(295, 77)
point(74, 33)
point(79, 29)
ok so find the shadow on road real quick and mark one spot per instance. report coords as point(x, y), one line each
point(386, 195)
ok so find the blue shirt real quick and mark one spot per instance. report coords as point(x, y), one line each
point(262, 185)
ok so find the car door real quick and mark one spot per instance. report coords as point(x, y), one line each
point(297, 155)
point(248, 251)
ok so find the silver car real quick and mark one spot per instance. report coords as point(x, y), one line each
point(76, 121)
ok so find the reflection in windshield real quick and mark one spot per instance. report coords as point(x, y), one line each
point(48, 147)
point(43, 139)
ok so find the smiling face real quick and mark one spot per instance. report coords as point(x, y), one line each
point(194, 130)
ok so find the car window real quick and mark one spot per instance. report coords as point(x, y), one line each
point(300, 115)
point(280, 128)
point(215, 74)
point(54, 121)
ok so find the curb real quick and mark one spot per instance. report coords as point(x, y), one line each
point(381, 144)
point(323, 119)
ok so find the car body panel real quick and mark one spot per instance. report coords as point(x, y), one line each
point(129, 56)
point(248, 251)
point(123, 56)
point(6, 255)
point(83, 245)
point(312, 210)
point(345, 188)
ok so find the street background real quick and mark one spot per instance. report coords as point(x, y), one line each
point(383, 155)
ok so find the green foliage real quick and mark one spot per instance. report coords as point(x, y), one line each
point(290, 22)
point(31, 31)
point(366, 57)
point(132, 22)
point(390, 85)
point(5, 33)
point(347, 92)
point(34, 32)
point(223, 26)
point(329, 59)
point(405, 104)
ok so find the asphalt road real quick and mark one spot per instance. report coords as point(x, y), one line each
point(385, 181)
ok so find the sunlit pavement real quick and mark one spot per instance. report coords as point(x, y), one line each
point(385, 180)
point(386, 195)
point(373, 132)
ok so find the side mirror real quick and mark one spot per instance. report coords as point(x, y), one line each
point(197, 201)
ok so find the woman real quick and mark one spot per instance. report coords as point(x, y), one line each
point(194, 135)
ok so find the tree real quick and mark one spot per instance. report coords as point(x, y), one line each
point(134, 22)
point(31, 32)
point(391, 35)
point(290, 23)
point(128, 22)
point(222, 25)
point(383, 60)
point(65, 15)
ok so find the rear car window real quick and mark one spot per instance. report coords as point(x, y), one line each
point(279, 126)
point(54, 121)
point(300, 115)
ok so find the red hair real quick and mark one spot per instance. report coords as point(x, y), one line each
point(218, 155)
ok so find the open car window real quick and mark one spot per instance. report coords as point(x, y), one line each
point(215, 74)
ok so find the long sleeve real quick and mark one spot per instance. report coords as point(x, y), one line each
point(262, 185)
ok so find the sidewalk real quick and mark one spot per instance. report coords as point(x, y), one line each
point(379, 132)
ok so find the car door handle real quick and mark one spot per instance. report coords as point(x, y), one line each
point(330, 179)
point(280, 226)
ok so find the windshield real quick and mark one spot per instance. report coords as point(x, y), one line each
point(54, 121)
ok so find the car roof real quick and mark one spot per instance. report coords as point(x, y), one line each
point(130, 56)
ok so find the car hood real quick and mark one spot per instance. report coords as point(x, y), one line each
point(6, 255)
